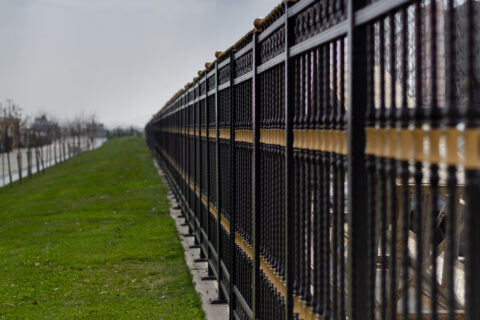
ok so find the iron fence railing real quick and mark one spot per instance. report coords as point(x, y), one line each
point(328, 163)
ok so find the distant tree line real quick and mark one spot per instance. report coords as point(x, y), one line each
point(43, 139)
point(124, 132)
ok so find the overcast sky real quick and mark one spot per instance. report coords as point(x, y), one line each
point(119, 59)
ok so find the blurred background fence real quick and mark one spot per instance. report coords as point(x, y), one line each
point(327, 163)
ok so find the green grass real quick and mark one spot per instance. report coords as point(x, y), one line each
point(92, 239)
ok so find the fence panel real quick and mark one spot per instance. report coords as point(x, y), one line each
point(328, 163)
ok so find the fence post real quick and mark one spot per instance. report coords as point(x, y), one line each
point(472, 176)
point(221, 295)
point(199, 176)
point(190, 154)
point(198, 196)
point(357, 209)
point(255, 179)
point(193, 142)
point(187, 166)
point(210, 275)
point(289, 178)
point(182, 156)
point(182, 142)
point(185, 162)
point(233, 188)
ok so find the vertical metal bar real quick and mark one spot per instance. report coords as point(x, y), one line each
point(434, 115)
point(391, 172)
point(308, 187)
point(256, 294)
point(217, 183)
point(326, 183)
point(198, 169)
point(418, 175)
point(403, 170)
point(341, 162)
point(357, 250)
point(316, 66)
point(207, 178)
point(187, 163)
point(322, 110)
point(200, 178)
point(233, 189)
point(193, 158)
point(333, 157)
point(289, 178)
point(472, 181)
point(381, 164)
point(184, 155)
point(221, 295)
point(452, 201)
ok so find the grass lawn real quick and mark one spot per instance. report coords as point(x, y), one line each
point(92, 239)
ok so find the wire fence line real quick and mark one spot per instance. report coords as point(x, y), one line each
point(328, 163)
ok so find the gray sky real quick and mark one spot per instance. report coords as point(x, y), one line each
point(119, 59)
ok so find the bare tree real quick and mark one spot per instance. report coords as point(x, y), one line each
point(37, 151)
point(91, 130)
point(11, 133)
point(45, 140)
point(28, 141)
point(3, 136)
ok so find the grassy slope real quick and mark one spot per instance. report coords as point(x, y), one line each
point(92, 239)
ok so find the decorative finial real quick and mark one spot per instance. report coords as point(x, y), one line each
point(258, 23)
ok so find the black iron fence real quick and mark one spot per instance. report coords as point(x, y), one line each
point(328, 163)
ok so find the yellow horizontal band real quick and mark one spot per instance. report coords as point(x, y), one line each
point(327, 140)
point(371, 143)
point(392, 142)
point(472, 158)
point(381, 147)
point(409, 144)
point(451, 137)
point(434, 143)
point(404, 151)
point(272, 136)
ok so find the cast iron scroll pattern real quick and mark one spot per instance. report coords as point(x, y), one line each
point(272, 113)
point(211, 84)
point(224, 74)
point(316, 18)
point(224, 108)
point(243, 64)
point(273, 45)
point(243, 105)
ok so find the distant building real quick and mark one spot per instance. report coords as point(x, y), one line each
point(42, 124)
point(43, 130)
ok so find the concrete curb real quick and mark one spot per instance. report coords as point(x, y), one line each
point(207, 289)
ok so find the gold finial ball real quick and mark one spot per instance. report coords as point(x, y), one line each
point(207, 65)
point(217, 54)
point(200, 72)
point(257, 23)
